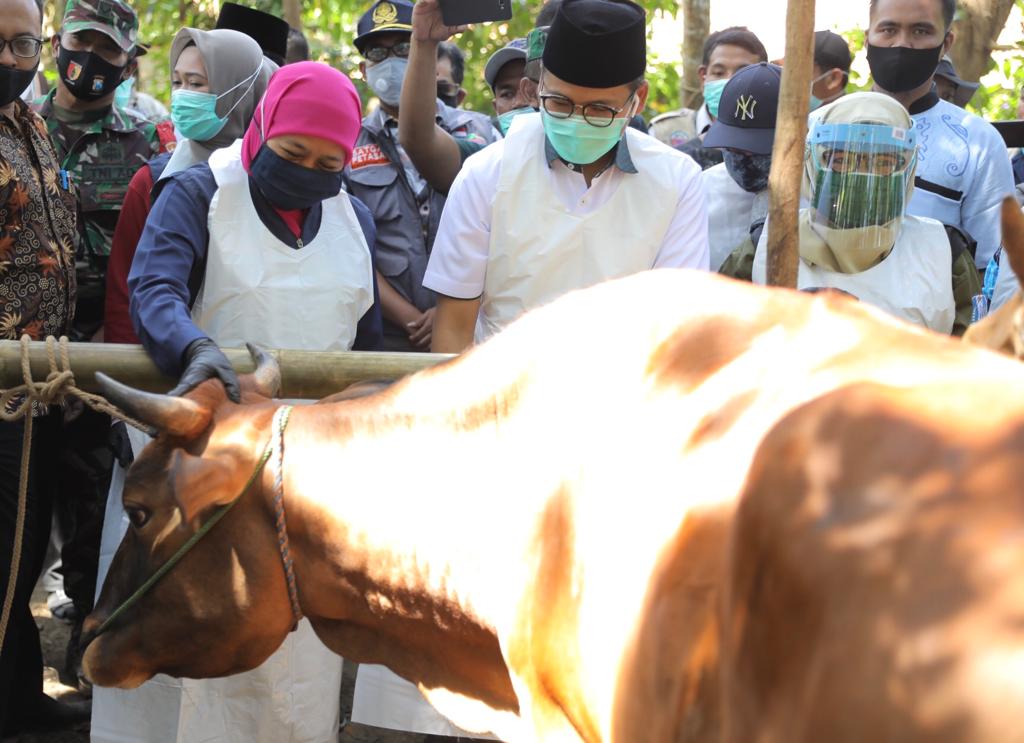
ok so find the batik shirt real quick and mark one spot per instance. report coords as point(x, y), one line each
point(37, 232)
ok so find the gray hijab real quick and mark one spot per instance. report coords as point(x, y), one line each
point(236, 69)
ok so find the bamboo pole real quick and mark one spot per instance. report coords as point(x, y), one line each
point(307, 375)
point(788, 151)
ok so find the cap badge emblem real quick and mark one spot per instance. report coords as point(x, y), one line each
point(384, 13)
point(745, 106)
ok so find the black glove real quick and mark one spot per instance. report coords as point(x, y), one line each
point(204, 360)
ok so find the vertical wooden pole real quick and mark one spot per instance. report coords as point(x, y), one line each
point(696, 27)
point(788, 152)
point(293, 13)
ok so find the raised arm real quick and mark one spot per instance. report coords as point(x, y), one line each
point(432, 150)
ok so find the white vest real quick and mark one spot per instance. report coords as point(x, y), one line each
point(731, 211)
point(258, 289)
point(914, 282)
point(540, 249)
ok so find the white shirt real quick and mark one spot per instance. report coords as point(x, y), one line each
point(966, 157)
point(458, 262)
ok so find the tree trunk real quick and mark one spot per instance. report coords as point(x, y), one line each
point(788, 150)
point(978, 27)
point(697, 25)
point(293, 13)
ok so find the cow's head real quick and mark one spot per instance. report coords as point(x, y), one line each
point(224, 608)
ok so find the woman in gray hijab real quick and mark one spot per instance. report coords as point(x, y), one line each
point(217, 77)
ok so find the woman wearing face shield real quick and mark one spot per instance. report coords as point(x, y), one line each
point(217, 77)
point(258, 244)
point(856, 236)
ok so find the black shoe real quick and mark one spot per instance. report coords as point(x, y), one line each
point(49, 714)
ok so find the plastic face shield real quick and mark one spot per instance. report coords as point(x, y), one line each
point(861, 175)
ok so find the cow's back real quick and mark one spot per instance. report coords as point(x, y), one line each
point(874, 585)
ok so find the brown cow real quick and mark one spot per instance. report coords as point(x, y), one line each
point(629, 517)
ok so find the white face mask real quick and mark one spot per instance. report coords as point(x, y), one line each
point(385, 79)
point(847, 251)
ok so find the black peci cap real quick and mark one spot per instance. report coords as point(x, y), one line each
point(383, 16)
point(748, 110)
point(597, 43)
point(269, 31)
point(831, 51)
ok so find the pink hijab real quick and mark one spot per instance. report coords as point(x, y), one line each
point(307, 98)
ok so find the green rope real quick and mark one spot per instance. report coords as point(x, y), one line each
point(184, 549)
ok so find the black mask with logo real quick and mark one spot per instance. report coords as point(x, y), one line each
point(87, 75)
point(14, 81)
point(898, 69)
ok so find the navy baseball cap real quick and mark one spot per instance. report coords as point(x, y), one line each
point(747, 111)
point(383, 16)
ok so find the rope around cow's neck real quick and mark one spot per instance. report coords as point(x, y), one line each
point(275, 449)
point(59, 384)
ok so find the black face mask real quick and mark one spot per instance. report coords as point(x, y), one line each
point(898, 69)
point(452, 101)
point(749, 171)
point(87, 75)
point(14, 81)
point(288, 185)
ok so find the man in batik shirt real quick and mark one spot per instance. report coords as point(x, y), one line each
point(37, 297)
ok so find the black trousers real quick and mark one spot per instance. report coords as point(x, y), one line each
point(21, 661)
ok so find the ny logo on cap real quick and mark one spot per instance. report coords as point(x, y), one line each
point(384, 13)
point(745, 106)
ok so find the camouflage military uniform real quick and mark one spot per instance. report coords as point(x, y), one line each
point(101, 155)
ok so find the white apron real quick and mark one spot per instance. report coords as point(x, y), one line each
point(542, 248)
point(255, 289)
point(914, 282)
point(731, 211)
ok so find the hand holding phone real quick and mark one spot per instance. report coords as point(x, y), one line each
point(428, 25)
point(462, 12)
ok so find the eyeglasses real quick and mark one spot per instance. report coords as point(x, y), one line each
point(23, 46)
point(595, 114)
point(873, 163)
point(377, 54)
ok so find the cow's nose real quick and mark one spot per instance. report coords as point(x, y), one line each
point(90, 629)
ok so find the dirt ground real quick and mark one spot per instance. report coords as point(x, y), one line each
point(54, 635)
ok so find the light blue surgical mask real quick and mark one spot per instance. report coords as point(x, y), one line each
point(195, 113)
point(579, 142)
point(816, 102)
point(713, 95)
point(385, 79)
point(123, 94)
point(505, 119)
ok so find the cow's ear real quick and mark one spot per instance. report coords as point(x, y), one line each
point(200, 484)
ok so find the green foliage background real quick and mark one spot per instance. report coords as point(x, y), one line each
point(330, 25)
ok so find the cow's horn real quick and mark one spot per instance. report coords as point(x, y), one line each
point(177, 416)
point(267, 376)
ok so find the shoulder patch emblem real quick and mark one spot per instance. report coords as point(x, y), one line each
point(368, 154)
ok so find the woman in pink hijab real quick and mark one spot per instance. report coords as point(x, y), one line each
point(261, 244)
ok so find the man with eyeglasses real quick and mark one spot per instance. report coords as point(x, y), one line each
point(571, 197)
point(405, 205)
point(37, 297)
point(100, 146)
point(856, 235)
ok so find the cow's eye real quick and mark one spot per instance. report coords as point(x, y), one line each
point(137, 516)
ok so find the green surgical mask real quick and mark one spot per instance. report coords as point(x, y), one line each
point(713, 95)
point(505, 120)
point(579, 142)
point(123, 94)
point(850, 200)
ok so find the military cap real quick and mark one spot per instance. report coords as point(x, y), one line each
point(115, 18)
point(383, 16)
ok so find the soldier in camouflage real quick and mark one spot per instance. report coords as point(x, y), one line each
point(100, 144)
